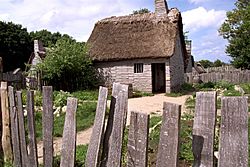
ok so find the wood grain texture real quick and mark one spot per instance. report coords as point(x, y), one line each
point(233, 144)
point(23, 144)
point(14, 128)
point(204, 129)
point(138, 140)
point(168, 149)
point(115, 127)
point(69, 135)
point(6, 137)
point(48, 123)
point(33, 158)
point(97, 136)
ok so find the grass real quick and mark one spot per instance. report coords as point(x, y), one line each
point(174, 94)
point(84, 119)
point(81, 152)
point(186, 88)
point(84, 116)
point(141, 94)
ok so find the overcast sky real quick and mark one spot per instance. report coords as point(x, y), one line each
point(201, 18)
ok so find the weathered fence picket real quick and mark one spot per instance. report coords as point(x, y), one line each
point(14, 128)
point(33, 158)
point(23, 144)
point(204, 129)
point(138, 140)
point(168, 149)
point(48, 123)
point(97, 135)
point(233, 148)
point(119, 122)
point(69, 135)
point(6, 138)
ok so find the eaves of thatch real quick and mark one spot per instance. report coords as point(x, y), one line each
point(136, 37)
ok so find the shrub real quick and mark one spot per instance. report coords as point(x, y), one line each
point(231, 93)
point(205, 86)
point(224, 85)
point(67, 66)
point(246, 87)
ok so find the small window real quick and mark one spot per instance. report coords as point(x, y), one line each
point(138, 68)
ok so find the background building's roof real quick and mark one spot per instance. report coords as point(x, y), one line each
point(136, 36)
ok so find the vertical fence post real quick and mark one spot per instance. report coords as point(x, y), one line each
point(14, 128)
point(23, 145)
point(138, 140)
point(168, 149)
point(69, 135)
point(233, 147)
point(115, 127)
point(48, 120)
point(96, 139)
point(6, 138)
point(33, 158)
point(204, 129)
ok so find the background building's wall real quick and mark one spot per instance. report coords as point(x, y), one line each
point(123, 72)
point(177, 67)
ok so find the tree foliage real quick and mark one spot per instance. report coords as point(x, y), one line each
point(141, 11)
point(236, 29)
point(218, 63)
point(67, 66)
point(15, 46)
point(48, 38)
point(207, 63)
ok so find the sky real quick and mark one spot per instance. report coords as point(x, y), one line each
point(201, 18)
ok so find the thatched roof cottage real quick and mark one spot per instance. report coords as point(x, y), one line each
point(145, 50)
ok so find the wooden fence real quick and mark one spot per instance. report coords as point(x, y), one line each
point(215, 74)
point(235, 77)
point(105, 147)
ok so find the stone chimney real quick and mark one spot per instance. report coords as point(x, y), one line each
point(161, 7)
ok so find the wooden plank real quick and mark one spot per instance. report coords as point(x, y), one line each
point(96, 139)
point(23, 145)
point(31, 130)
point(48, 123)
point(168, 149)
point(69, 135)
point(233, 150)
point(14, 128)
point(204, 129)
point(115, 127)
point(138, 140)
point(6, 138)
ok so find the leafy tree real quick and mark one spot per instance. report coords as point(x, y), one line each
point(206, 63)
point(218, 63)
point(48, 38)
point(67, 66)
point(141, 11)
point(236, 29)
point(15, 46)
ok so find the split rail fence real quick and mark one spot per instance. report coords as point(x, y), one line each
point(105, 147)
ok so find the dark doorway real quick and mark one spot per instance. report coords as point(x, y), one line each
point(158, 78)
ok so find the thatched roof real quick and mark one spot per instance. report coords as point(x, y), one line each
point(136, 36)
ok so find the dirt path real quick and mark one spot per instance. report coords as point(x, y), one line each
point(153, 104)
